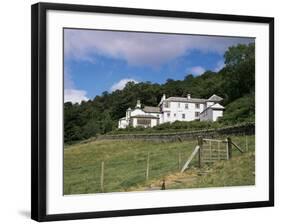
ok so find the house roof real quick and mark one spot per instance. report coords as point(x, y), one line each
point(185, 99)
point(215, 98)
point(151, 109)
point(145, 116)
point(215, 106)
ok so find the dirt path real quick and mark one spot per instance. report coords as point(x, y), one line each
point(172, 181)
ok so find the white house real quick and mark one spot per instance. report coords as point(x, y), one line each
point(173, 109)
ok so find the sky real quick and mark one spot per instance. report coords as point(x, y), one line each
point(96, 60)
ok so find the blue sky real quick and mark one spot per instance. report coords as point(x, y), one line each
point(96, 61)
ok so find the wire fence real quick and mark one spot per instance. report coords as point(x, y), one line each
point(135, 170)
point(130, 170)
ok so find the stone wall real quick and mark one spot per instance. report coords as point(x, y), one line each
point(248, 129)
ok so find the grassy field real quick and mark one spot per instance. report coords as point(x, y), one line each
point(125, 166)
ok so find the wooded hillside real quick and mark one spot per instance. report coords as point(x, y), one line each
point(235, 83)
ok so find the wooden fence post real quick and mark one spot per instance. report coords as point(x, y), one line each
point(102, 176)
point(210, 144)
point(246, 143)
point(219, 148)
point(179, 161)
point(147, 167)
point(195, 151)
point(229, 147)
point(200, 144)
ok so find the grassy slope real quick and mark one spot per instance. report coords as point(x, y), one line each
point(240, 110)
point(239, 171)
point(125, 166)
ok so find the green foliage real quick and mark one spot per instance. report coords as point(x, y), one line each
point(240, 110)
point(236, 80)
point(239, 73)
point(177, 126)
point(187, 125)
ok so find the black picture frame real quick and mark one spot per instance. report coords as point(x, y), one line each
point(39, 107)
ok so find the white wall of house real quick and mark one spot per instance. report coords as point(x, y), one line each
point(217, 114)
point(122, 123)
point(181, 111)
point(207, 115)
point(128, 114)
point(134, 122)
point(211, 115)
point(154, 122)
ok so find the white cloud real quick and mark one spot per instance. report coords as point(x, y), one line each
point(219, 66)
point(75, 95)
point(71, 93)
point(141, 48)
point(197, 70)
point(121, 84)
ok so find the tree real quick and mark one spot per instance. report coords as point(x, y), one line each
point(239, 72)
point(188, 77)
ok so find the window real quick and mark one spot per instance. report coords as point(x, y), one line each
point(143, 121)
point(175, 115)
point(197, 114)
point(183, 116)
point(168, 114)
point(167, 104)
point(197, 105)
point(179, 105)
point(186, 106)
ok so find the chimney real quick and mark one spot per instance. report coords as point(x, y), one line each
point(128, 113)
point(188, 96)
point(164, 97)
point(138, 104)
